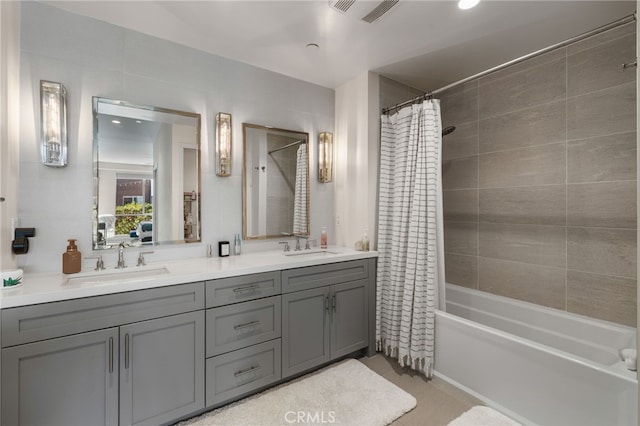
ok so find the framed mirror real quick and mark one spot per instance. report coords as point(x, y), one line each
point(276, 182)
point(146, 169)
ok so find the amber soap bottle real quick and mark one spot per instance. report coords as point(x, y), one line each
point(71, 259)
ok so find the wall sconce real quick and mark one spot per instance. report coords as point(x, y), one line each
point(53, 123)
point(223, 144)
point(325, 157)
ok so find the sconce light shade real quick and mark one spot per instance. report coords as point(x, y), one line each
point(53, 123)
point(223, 144)
point(325, 157)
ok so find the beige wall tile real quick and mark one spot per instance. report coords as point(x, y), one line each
point(599, 67)
point(537, 205)
point(461, 238)
point(531, 283)
point(537, 165)
point(534, 86)
point(604, 204)
point(460, 106)
point(604, 112)
point(545, 58)
point(601, 38)
point(531, 126)
point(601, 296)
point(460, 173)
point(537, 244)
point(602, 251)
point(461, 270)
point(604, 158)
point(463, 142)
point(460, 205)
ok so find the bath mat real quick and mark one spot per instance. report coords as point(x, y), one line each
point(347, 393)
point(483, 416)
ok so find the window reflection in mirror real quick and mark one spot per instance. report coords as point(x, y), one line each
point(146, 175)
point(276, 182)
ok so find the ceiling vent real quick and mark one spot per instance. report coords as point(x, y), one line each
point(341, 5)
point(380, 10)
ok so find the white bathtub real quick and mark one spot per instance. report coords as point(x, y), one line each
point(539, 365)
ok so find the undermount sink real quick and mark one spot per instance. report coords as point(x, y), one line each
point(309, 252)
point(133, 274)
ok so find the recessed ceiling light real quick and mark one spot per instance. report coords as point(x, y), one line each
point(313, 46)
point(115, 121)
point(467, 4)
point(138, 121)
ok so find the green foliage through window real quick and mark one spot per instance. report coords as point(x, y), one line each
point(129, 215)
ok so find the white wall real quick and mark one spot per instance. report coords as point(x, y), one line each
point(92, 58)
point(356, 144)
point(9, 126)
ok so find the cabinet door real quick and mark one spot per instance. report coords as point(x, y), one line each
point(65, 381)
point(161, 369)
point(349, 317)
point(305, 330)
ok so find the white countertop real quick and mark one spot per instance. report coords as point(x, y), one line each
point(51, 287)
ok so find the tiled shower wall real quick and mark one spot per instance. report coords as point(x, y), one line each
point(540, 180)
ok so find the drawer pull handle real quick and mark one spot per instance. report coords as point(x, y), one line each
point(245, 289)
point(249, 324)
point(333, 303)
point(246, 371)
point(110, 355)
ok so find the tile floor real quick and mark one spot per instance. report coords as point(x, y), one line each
point(438, 401)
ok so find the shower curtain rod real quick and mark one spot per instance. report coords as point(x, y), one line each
point(287, 146)
point(427, 95)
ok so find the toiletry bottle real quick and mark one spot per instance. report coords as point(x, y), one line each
point(71, 259)
point(236, 247)
point(323, 238)
point(365, 240)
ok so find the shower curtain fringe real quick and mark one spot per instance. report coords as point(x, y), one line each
point(421, 364)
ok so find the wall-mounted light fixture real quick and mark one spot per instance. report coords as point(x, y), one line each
point(53, 123)
point(223, 144)
point(325, 157)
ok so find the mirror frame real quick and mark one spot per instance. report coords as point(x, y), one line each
point(96, 100)
point(246, 126)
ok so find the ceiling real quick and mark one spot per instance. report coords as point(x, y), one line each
point(425, 44)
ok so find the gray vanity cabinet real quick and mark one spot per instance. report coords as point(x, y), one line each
point(161, 369)
point(65, 381)
point(324, 322)
point(305, 330)
point(125, 358)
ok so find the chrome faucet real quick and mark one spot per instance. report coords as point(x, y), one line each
point(99, 262)
point(301, 237)
point(141, 260)
point(121, 264)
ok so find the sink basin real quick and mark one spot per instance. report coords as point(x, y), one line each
point(133, 274)
point(316, 252)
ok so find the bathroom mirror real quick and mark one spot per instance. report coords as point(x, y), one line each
point(276, 182)
point(146, 169)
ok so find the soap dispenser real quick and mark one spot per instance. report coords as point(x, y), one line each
point(323, 238)
point(71, 259)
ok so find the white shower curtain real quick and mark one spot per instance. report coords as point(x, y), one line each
point(410, 280)
point(300, 192)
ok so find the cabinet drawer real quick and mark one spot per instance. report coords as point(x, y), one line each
point(237, 326)
point(240, 289)
point(323, 275)
point(48, 320)
point(242, 371)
